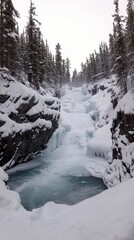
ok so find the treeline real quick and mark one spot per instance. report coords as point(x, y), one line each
point(115, 58)
point(26, 55)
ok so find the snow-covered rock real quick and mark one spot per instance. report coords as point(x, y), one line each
point(121, 167)
point(100, 144)
point(100, 108)
point(3, 175)
point(27, 120)
point(113, 137)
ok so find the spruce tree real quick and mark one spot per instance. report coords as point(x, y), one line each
point(130, 41)
point(23, 53)
point(93, 66)
point(74, 78)
point(120, 66)
point(33, 42)
point(67, 70)
point(111, 53)
point(2, 4)
point(98, 62)
point(64, 80)
point(9, 37)
point(58, 64)
point(102, 59)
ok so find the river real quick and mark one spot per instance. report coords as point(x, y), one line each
point(60, 173)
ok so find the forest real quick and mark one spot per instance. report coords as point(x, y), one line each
point(27, 54)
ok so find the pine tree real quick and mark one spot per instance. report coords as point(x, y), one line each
point(67, 70)
point(74, 77)
point(33, 42)
point(98, 63)
point(120, 66)
point(111, 53)
point(49, 65)
point(42, 60)
point(46, 54)
point(58, 64)
point(9, 37)
point(50, 69)
point(23, 53)
point(2, 4)
point(130, 41)
point(93, 66)
point(104, 60)
point(64, 72)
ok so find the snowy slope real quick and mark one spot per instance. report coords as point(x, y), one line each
point(27, 120)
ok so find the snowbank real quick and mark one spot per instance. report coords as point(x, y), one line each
point(108, 215)
point(100, 144)
point(126, 104)
point(3, 175)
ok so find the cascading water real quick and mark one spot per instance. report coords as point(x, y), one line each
point(60, 173)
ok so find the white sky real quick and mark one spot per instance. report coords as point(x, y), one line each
point(78, 25)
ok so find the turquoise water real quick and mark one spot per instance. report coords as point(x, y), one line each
point(35, 189)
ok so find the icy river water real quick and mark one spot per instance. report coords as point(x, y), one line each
point(60, 173)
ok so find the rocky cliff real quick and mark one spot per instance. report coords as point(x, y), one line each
point(27, 121)
point(115, 114)
point(121, 166)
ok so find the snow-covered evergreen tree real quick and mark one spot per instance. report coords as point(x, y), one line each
point(104, 59)
point(67, 70)
point(33, 43)
point(130, 42)
point(120, 66)
point(58, 64)
point(111, 53)
point(9, 37)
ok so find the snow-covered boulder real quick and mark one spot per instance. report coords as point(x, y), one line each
point(100, 144)
point(27, 120)
point(121, 167)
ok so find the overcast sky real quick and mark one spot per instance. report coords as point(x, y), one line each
point(78, 25)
